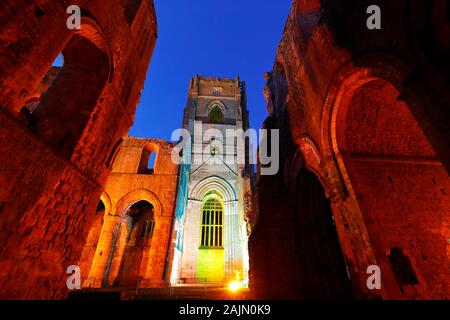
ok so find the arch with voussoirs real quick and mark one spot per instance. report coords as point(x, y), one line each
point(122, 253)
point(139, 210)
point(381, 141)
point(135, 239)
point(87, 68)
point(203, 259)
point(212, 259)
point(216, 111)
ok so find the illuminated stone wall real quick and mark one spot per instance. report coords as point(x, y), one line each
point(130, 183)
point(55, 160)
point(365, 118)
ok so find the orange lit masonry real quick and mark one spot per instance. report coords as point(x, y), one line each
point(359, 208)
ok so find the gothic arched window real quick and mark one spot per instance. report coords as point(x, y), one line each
point(215, 114)
point(212, 224)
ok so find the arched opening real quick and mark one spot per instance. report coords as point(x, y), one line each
point(212, 224)
point(213, 264)
point(33, 101)
point(140, 228)
point(211, 256)
point(58, 62)
point(147, 164)
point(215, 114)
point(66, 106)
point(400, 187)
point(322, 271)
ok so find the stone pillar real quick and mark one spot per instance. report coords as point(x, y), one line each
point(105, 248)
point(121, 241)
point(244, 249)
point(233, 243)
point(177, 255)
point(154, 258)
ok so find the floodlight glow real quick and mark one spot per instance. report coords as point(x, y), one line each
point(234, 286)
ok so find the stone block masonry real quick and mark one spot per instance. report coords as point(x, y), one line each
point(366, 155)
point(115, 256)
point(55, 157)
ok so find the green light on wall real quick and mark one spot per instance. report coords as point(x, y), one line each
point(211, 264)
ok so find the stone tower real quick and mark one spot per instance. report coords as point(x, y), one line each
point(212, 227)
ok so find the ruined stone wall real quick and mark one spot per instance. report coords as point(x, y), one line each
point(128, 185)
point(367, 110)
point(55, 160)
point(273, 228)
point(294, 224)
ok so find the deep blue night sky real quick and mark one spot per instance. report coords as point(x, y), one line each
point(212, 38)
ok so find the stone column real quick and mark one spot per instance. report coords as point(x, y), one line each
point(105, 248)
point(175, 271)
point(244, 250)
point(116, 256)
point(154, 258)
point(233, 243)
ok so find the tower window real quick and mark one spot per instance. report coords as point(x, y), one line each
point(216, 114)
point(212, 226)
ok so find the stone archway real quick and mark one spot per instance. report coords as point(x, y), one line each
point(135, 196)
point(397, 183)
point(86, 51)
point(126, 247)
point(133, 244)
point(213, 183)
point(211, 253)
point(113, 240)
point(234, 242)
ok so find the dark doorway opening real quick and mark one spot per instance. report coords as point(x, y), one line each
point(141, 227)
point(323, 272)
